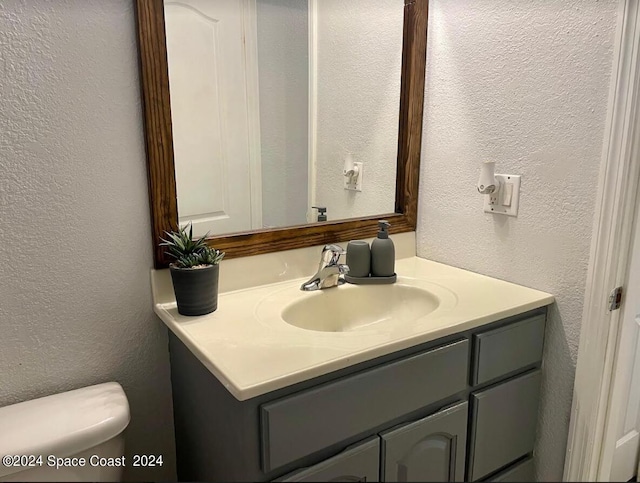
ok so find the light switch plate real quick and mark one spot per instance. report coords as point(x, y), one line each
point(494, 203)
point(357, 186)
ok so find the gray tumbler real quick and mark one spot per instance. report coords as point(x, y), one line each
point(358, 258)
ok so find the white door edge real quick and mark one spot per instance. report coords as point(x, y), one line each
point(250, 26)
point(615, 212)
point(313, 107)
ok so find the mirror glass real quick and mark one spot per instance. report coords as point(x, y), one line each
point(279, 106)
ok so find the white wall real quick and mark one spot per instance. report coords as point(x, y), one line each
point(526, 84)
point(359, 64)
point(75, 245)
point(283, 66)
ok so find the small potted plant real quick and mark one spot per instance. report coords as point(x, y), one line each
point(194, 272)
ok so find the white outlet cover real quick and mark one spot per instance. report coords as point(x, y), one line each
point(357, 186)
point(493, 203)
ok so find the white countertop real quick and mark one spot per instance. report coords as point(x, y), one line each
point(252, 351)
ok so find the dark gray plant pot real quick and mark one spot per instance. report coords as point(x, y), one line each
point(196, 289)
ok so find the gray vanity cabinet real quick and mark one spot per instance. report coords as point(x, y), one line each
point(358, 463)
point(463, 407)
point(431, 449)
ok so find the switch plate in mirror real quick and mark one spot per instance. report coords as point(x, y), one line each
point(354, 183)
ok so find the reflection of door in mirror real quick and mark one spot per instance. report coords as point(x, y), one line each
point(268, 99)
point(214, 114)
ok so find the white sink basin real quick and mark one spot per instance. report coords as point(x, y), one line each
point(348, 308)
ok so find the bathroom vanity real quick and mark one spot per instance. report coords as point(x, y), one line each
point(451, 395)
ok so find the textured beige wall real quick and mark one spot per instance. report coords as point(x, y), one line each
point(525, 84)
point(75, 245)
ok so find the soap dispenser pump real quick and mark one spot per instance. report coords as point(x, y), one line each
point(383, 253)
point(322, 212)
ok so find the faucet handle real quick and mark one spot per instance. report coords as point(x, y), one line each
point(331, 254)
point(334, 248)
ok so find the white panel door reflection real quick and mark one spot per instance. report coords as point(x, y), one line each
point(212, 131)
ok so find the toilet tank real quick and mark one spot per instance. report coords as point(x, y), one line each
point(42, 435)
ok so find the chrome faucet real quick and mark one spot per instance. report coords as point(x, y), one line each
point(329, 271)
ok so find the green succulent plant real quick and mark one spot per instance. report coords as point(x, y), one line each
point(187, 252)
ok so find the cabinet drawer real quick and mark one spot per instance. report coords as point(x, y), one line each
point(299, 425)
point(521, 472)
point(504, 419)
point(431, 449)
point(507, 349)
point(358, 463)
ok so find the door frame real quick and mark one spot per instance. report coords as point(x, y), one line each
point(609, 257)
point(313, 108)
point(250, 27)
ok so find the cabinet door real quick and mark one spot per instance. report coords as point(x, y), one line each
point(431, 449)
point(507, 349)
point(504, 419)
point(522, 471)
point(358, 463)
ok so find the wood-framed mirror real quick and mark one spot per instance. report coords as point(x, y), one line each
point(160, 146)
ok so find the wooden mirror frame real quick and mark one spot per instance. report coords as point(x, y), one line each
point(159, 145)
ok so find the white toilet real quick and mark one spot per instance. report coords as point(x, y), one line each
point(78, 436)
